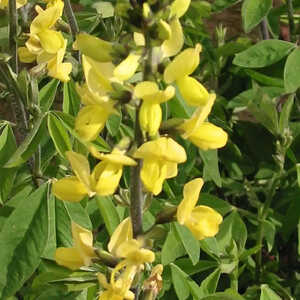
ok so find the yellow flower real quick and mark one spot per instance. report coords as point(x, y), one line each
point(4, 3)
point(126, 69)
point(93, 47)
point(74, 188)
point(81, 254)
point(150, 114)
point(201, 220)
point(160, 162)
point(107, 174)
point(184, 64)
point(204, 134)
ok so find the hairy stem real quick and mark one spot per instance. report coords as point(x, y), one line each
point(13, 27)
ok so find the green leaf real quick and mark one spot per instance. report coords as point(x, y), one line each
point(109, 213)
point(224, 296)
point(59, 135)
point(47, 95)
point(291, 71)
point(7, 176)
point(285, 114)
point(209, 284)
point(262, 54)
point(267, 293)
point(269, 234)
point(22, 241)
point(71, 100)
point(253, 11)
point(189, 242)
point(186, 265)
point(172, 242)
point(211, 166)
point(265, 79)
point(113, 124)
point(179, 108)
point(29, 145)
point(179, 280)
point(298, 173)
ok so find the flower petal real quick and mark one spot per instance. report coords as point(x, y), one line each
point(25, 55)
point(191, 193)
point(127, 67)
point(80, 166)
point(51, 40)
point(179, 7)
point(183, 64)
point(174, 44)
point(68, 257)
point(209, 136)
point(150, 116)
point(69, 189)
point(121, 234)
point(192, 91)
point(90, 121)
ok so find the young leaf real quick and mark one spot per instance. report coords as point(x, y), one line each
point(189, 242)
point(291, 71)
point(253, 11)
point(209, 284)
point(59, 135)
point(262, 54)
point(180, 283)
point(22, 241)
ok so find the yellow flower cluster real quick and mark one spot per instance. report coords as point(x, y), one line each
point(45, 45)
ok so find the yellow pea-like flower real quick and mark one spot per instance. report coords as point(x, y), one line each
point(160, 159)
point(126, 69)
point(150, 114)
point(81, 254)
point(107, 174)
point(139, 39)
point(25, 55)
point(93, 47)
point(173, 45)
point(202, 221)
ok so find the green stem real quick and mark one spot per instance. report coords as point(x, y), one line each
point(234, 282)
point(13, 27)
point(290, 12)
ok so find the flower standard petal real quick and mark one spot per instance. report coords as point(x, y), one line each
point(183, 64)
point(179, 7)
point(174, 44)
point(191, 193)
point(121, 234)
point(127, 67)
point(81, 167)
